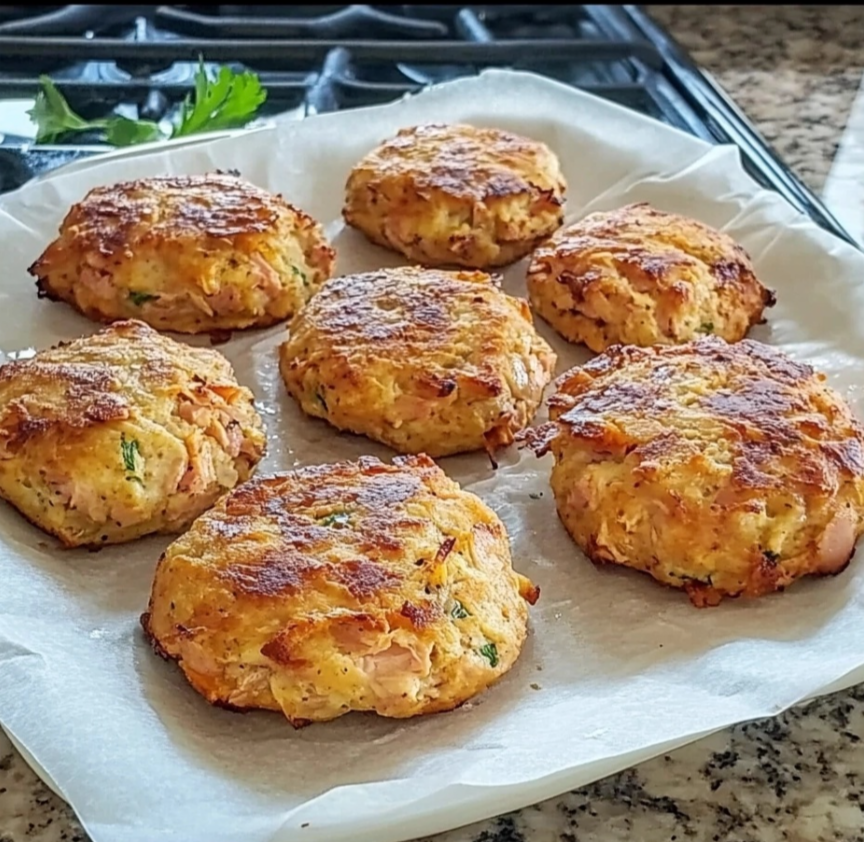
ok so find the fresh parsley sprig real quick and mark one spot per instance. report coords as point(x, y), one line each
point(226, 102)
point(229, 101)
point(490, 652)
point(130, 450)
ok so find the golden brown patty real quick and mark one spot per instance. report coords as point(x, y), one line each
point(639, 276)
point(452, 195)
point(191, 254)
point(423, 360)
point(122, 434)
point(354, 586)
point(720, 469)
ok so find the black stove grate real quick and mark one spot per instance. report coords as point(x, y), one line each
point(140, 61)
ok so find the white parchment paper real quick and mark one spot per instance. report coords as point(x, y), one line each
point(616, 668)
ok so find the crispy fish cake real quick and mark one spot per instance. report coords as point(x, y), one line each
point(191, 254)
point(722, 469)
point(355, 586)
point(122, 434)
point(453, 195)
point(639, 276)
point(423, 360)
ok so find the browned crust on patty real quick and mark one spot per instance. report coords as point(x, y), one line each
point(638, 275)
point(201, 207)
point(322, 576)
point(192, 254)
point(424, 360)
point(763, 399)
point(121, 434)
point(722, 469)
point(456, 195)
point(49, 393)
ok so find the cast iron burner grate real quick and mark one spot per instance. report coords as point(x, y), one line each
point(140, 61)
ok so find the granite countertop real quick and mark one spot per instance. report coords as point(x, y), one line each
point(795, 70)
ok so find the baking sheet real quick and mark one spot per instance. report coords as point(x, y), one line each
point(616, 669)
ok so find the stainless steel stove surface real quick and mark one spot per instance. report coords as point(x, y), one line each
point(140, 61)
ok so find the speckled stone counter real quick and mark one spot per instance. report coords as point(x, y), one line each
point(795, 71)
point(799, 777)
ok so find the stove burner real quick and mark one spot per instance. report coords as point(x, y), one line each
point(71, 20)
point(434, 74)
point(9, 13)
point(158, 70)
point(468, 25)
point(140, 61)
point(178, 73)
point(305, 22)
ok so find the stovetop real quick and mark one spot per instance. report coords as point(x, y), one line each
point(140, 61)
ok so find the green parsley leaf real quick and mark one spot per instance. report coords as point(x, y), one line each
point(130, 450)
point(337, 520)
point(226, 102)
point(139, 298)
point(459, 611)
point(706, 327)
point(301, 275)
point(490, 652)
point(53, 116)
point(121, 131)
